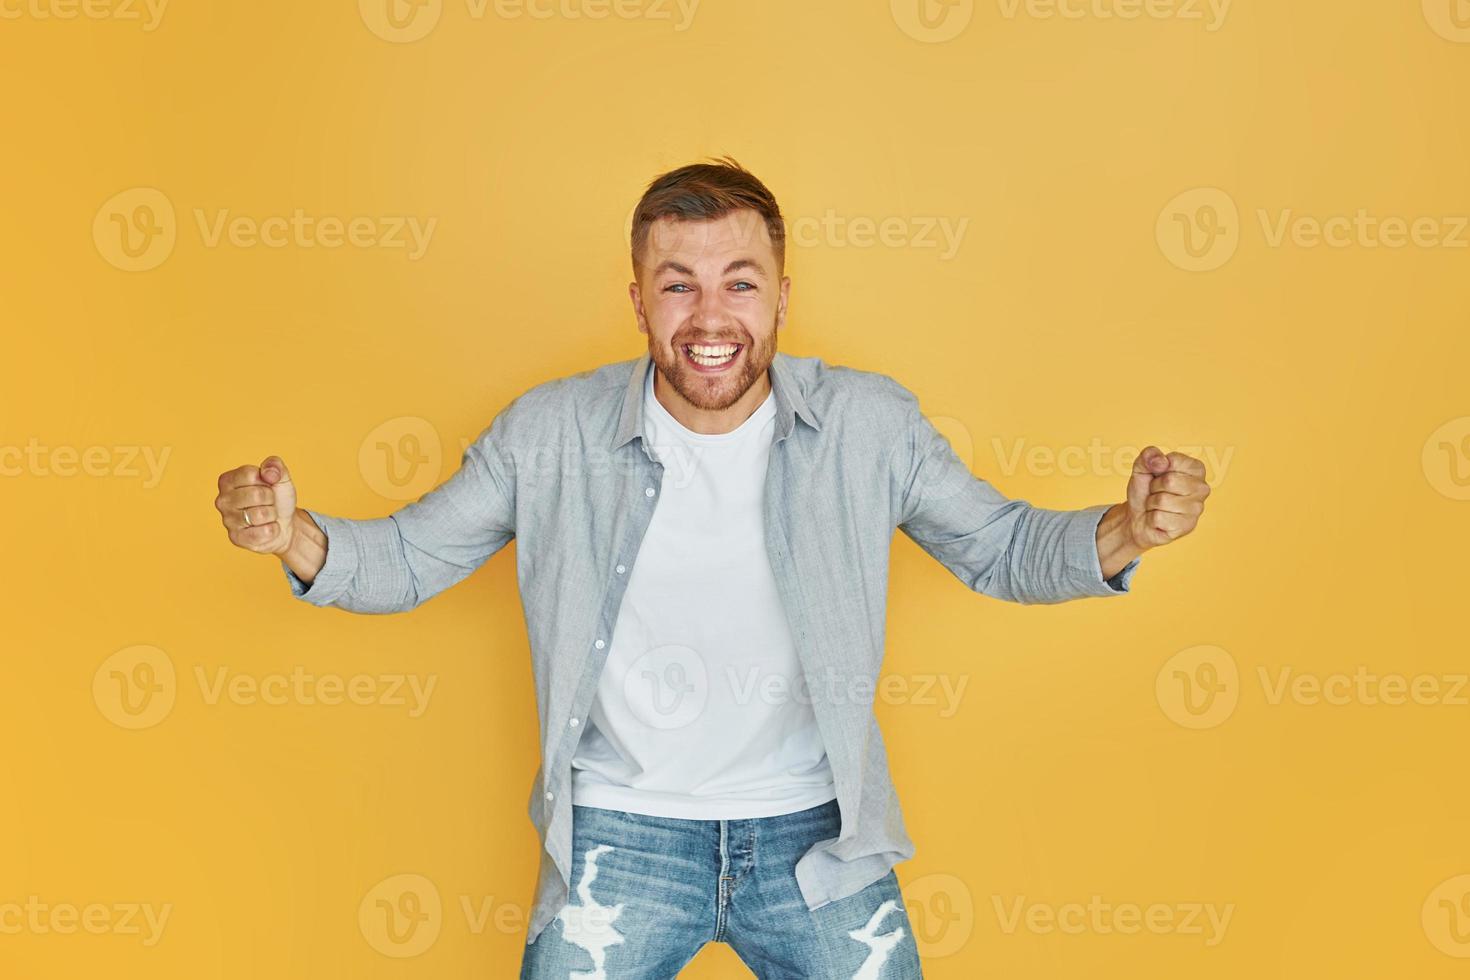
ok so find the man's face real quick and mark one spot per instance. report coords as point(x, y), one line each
point(710, 297)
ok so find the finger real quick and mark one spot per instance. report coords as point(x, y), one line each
point(259, 516)
point(240, 476)
point(273, 470)
point(239, 498)
point(1163, 503)
point(1150, 461)
point(1172, 525)
point(1180, 483)
point(1186, 464)
point(255, 538)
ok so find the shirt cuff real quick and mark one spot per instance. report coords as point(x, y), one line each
point(1083, 559)
point(336, 572)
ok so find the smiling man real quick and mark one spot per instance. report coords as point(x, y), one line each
point(704, 536)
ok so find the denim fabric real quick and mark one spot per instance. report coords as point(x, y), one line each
point(648, 892)
point(563, 470)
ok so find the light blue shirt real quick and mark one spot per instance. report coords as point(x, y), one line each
point(563, 468)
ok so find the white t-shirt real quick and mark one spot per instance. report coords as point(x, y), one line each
point(701, 710)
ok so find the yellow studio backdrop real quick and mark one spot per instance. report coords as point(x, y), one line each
point(349, 233)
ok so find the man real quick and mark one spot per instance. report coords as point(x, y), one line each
point(703, 561)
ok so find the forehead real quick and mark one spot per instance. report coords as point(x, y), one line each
point(710, 241)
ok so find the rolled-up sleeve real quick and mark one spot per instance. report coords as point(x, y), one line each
point(395, 563)
point(1001, 547)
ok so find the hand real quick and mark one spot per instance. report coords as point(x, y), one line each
point(264, 494)
point(1166, 495)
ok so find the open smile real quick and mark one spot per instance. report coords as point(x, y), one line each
point(712, 358)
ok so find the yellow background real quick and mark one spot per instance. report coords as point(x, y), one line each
point(1330, 378)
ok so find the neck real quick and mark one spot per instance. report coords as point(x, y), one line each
point(710, 422)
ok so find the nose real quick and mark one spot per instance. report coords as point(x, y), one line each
point(709, 311)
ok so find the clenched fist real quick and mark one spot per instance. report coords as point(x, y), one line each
point(1166, 495)
point(257, 505)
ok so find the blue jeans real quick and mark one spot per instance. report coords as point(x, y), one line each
point(648, 892)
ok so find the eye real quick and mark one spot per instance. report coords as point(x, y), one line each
point(744, 282)
point(676, 287)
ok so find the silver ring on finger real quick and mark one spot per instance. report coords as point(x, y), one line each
point(245, 514)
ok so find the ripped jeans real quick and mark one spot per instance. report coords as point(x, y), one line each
point(648, 892)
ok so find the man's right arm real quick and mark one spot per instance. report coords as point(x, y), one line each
point(382, 565)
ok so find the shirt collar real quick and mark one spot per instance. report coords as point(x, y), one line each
point(790, 403)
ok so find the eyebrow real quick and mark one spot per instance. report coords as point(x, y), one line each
point(669, 265)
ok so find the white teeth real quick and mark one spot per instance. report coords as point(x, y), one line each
point(711, 355)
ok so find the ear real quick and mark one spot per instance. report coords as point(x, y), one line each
point(636, 296)
point(782, 301)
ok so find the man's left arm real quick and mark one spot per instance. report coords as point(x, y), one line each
point(1014, 551)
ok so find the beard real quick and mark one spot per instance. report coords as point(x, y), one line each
point(713, 393)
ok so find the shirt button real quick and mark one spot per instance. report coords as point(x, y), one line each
point(599, 644)
point(648, 492)
point(622, 569)
point(573, 723)
point(548, 794)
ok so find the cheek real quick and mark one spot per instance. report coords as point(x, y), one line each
point(661, 321)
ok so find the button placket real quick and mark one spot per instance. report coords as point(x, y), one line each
point(614, 602)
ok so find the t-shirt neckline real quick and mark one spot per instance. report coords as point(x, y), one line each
point(651, 404)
